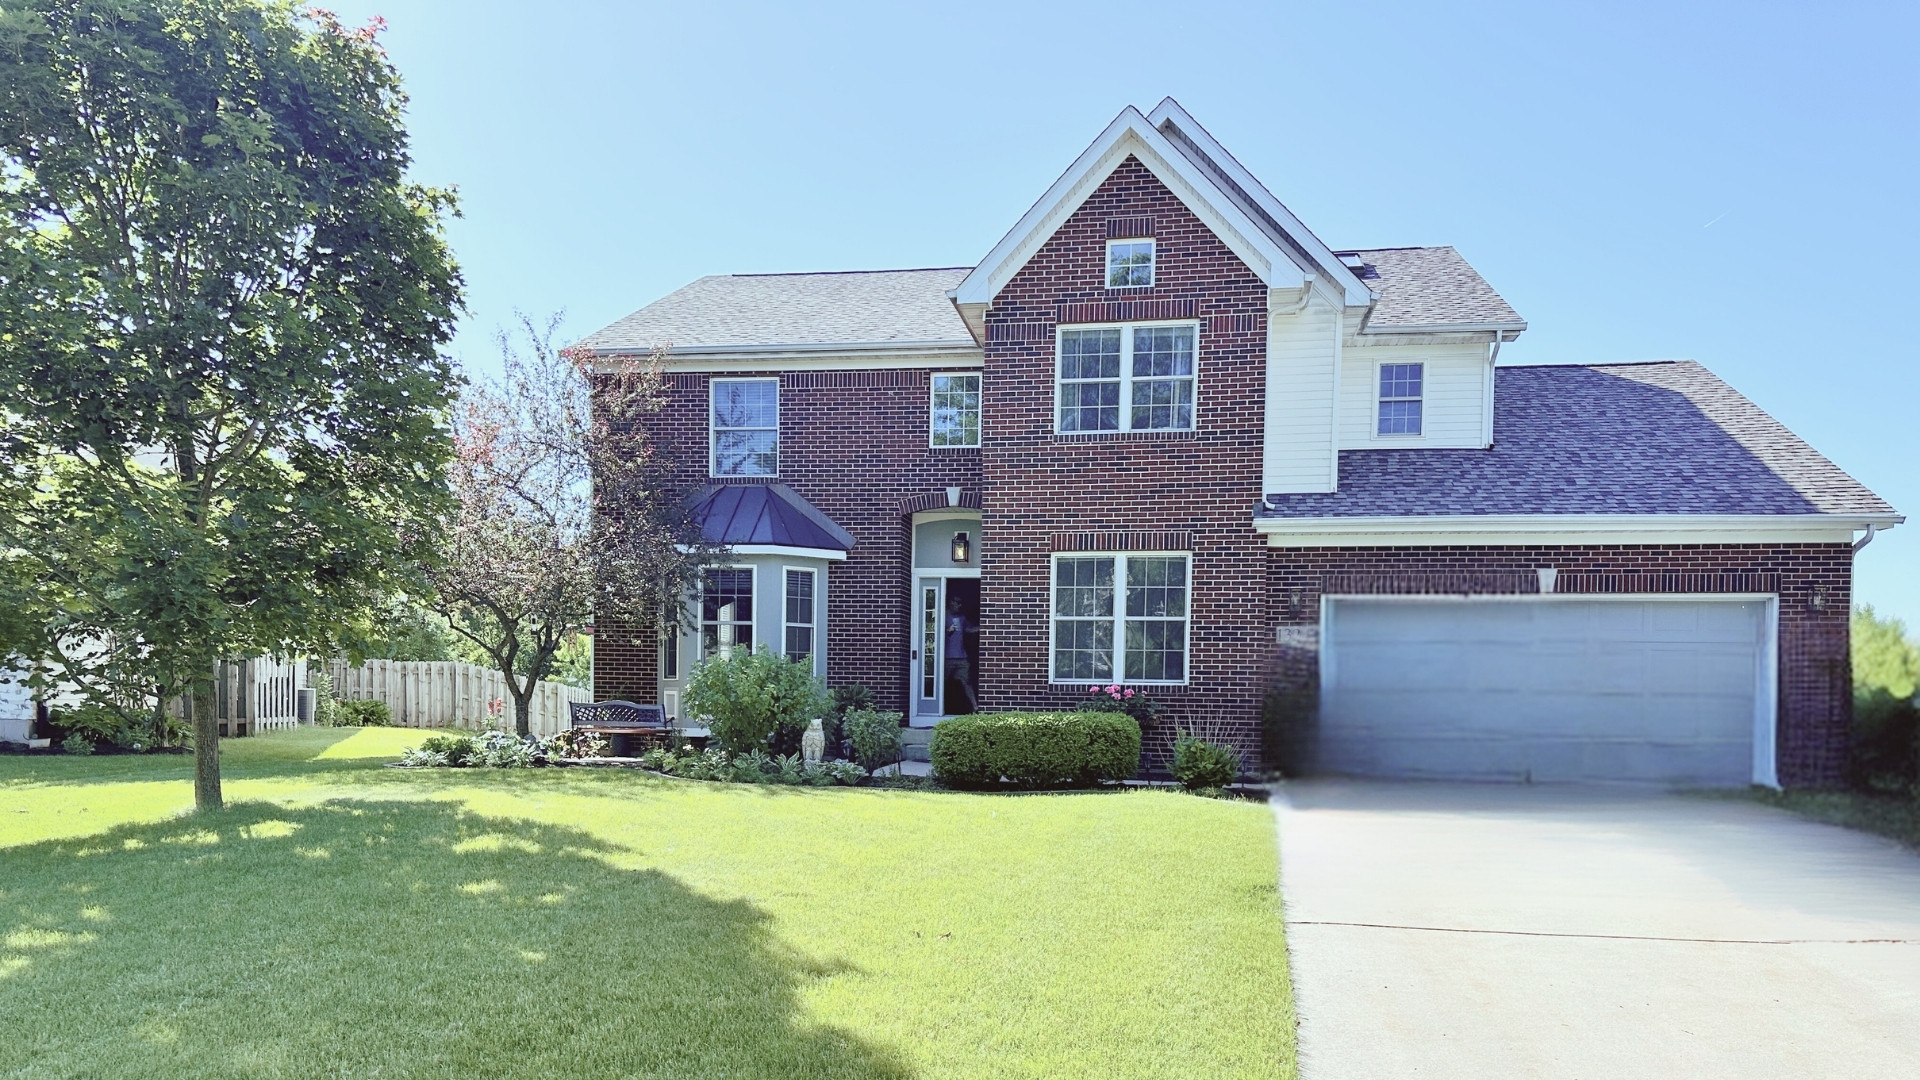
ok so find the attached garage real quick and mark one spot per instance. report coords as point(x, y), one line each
point(1676, 691)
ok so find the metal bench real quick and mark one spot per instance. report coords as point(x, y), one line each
point(620, 720)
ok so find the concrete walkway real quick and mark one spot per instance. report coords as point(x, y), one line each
point(1442, 930)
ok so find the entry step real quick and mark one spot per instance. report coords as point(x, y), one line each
point(914, 743)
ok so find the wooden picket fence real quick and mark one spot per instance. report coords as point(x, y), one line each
point(447, 693)
point(260, 694)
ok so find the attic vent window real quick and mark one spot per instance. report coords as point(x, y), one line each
point(1129, 264)
point(1353, 262)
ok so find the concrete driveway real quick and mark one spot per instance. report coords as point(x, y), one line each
point(1441, 930)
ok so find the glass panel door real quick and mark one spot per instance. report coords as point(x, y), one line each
point(927, 648)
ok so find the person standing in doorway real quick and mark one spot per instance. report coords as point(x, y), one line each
point(959, 664)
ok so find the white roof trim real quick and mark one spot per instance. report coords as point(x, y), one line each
point(788, 552)
point(1500, 529)
point(1130, 133)
point(1357, 293)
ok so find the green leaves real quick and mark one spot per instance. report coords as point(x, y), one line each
point(221, 385)
point(746, 696)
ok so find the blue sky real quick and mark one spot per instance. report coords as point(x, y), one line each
point(1731, 183)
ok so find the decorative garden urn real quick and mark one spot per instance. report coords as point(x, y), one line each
point(813, 745)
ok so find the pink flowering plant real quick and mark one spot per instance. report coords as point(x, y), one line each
point(1113, 697)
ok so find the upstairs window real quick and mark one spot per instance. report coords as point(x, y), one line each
point(1129, 264)
point(1127, 378)
point(1400, 396)
point(746, 427)
point(956, 410)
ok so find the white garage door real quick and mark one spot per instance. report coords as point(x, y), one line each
point(1661, 691)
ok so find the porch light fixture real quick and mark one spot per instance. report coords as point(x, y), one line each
point(962, 547)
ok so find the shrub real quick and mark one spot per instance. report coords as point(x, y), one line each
point(747, 698)
point(751, 767)
point(326, 706)
point(1886, 743)
point(1036, 749)
point(77, 743)
point(366, 713)
point(456, 750)
point(1199, 764)
point(873, 738)
point(95, 723)
point(501, 750)
point(570, 744)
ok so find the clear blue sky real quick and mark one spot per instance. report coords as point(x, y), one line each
point(1735, 183)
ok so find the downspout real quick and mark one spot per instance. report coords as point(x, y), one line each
point(1866, 539)
point(1339, 329)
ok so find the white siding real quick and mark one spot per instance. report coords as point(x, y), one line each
point(1301, 362)
point(1454, 404)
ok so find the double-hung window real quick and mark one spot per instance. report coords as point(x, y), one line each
point(956, 410)
point(726, 611)
point(1127, 378)
point(1400, 395)
point(1120, 618)
point(799, 622)
point(746, 427)
point(1129, 264)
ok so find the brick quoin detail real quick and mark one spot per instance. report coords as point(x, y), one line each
point(1815, 674)
point(855, 445)
point(1042, 487)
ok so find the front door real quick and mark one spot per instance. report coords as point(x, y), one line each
point(946, 646)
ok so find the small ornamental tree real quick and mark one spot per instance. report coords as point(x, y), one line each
point(223, 403)
point(562, 507)
point(746, 697)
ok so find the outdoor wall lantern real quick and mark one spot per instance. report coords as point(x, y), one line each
point(962, 547)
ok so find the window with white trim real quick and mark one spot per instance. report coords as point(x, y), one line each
point(1401, 386)
point(1132, 604)
point(1126, 378)
point(746, 427)
point(799, 621)
point(726, 611)
point(1129, 263)
point(670, 653)
point(956, 410)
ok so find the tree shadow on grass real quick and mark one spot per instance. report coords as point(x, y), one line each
point(411, 939)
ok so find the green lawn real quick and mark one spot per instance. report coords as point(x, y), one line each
point(1888, 815)
point(346, 920)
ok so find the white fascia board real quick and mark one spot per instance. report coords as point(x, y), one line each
point(1357, 293)
point(1510, 327)
point(788, 552)
point(1499, 530)
point(1130, 133)
point(811, 357)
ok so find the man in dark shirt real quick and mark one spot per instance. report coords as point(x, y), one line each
point(959, 664)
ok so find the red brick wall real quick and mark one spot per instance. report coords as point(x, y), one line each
point(1813, 581)
point(854, 444)
point(1202, 483)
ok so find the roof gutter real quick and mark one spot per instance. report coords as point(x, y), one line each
point(1514, 328)
point(1550, 524)
point(1866, 538)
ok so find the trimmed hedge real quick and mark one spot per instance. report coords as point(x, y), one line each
point(1074, 749)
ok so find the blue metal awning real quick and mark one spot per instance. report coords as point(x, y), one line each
point(769, 515)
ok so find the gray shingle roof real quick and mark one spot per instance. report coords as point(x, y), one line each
point(1425, 288)
point(1661, 438)
point(874, 307)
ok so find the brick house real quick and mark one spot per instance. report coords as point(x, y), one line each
point(1163, 436)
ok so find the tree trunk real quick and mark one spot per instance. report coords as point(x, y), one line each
point(522, 706)
point(206, 752)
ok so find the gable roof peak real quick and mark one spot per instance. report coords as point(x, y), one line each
point(1276, 248)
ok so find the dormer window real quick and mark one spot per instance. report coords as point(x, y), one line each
point(1129, 263)
point(1401, 386)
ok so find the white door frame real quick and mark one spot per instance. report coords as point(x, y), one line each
point(915, 643)
point(1766, 705)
